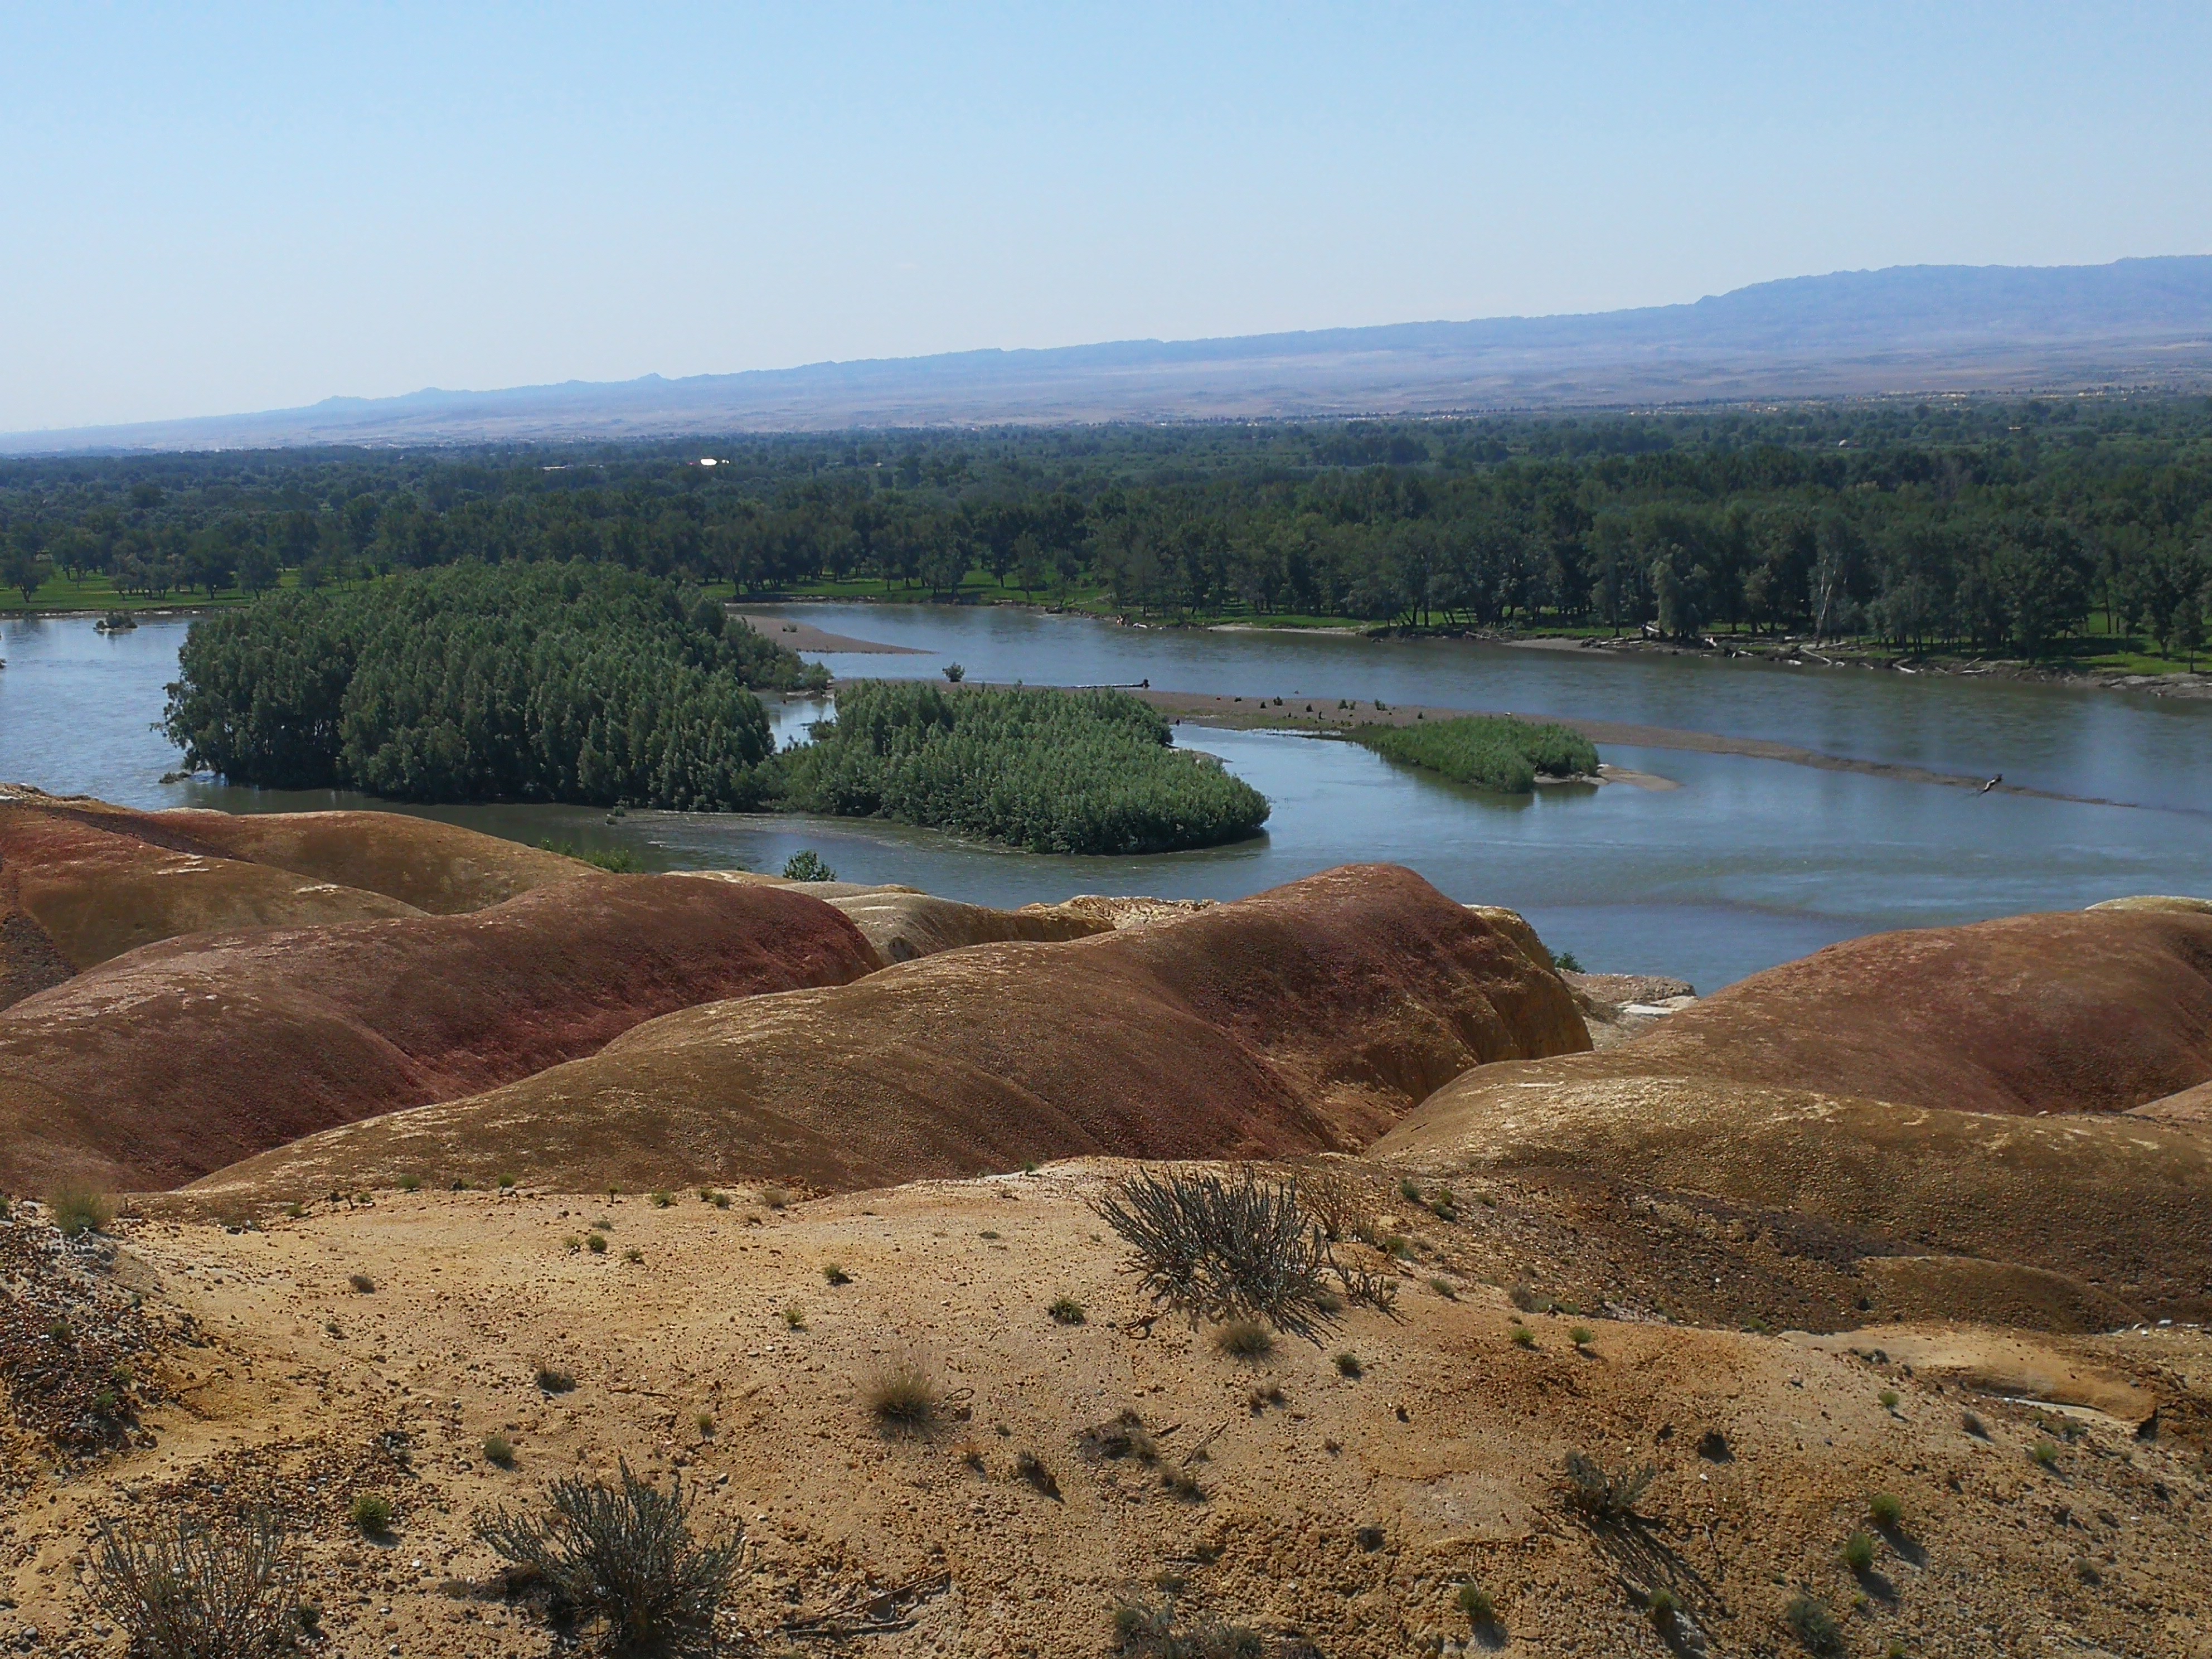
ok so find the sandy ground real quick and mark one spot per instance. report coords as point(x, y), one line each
point(1334, 1513)
point(1266, 711)
point(805, 636)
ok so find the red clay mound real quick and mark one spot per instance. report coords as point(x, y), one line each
point(1303, 1018)
point(1883, 1084)
point(2094, 1012)
point(186, 1055)
point(438, 867)
point(80, 882)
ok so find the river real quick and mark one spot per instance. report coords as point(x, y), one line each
point(1748, 863)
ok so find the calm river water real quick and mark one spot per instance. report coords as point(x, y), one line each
point(1748, 863)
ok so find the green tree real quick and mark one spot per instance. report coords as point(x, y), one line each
point(21, 566)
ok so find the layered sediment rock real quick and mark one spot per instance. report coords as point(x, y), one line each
point(82, 881)
point(183, 1057)
point(1961, 1091)
point(1303, 1018)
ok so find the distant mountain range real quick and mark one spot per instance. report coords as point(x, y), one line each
point(2137, 323)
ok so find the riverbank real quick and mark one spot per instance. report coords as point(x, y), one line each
point(2124, 670)
point(1319, 716)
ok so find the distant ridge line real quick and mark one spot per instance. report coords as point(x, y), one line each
point(2142, 323)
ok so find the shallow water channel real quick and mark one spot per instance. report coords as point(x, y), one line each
point(1749, 862)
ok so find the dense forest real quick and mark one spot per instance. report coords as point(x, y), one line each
point(1991, 526)
point(553, 683)
point(590, 685)
point(1051, 771)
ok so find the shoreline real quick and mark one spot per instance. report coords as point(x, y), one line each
point(1278, 715)
point(2185, 683)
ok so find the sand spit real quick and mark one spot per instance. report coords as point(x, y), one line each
point(1321, 714)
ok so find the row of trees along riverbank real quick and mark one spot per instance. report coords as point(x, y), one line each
point(1996, 527)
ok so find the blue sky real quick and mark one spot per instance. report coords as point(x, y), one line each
point(218, 209)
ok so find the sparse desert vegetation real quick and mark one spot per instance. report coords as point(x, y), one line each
point(622, 1552)
point(1146, 1376)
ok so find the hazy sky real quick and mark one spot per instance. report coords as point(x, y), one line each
point(209, 210)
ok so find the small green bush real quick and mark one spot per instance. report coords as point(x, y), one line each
point(1474, 1601)
point(1347, 1364)
point(597, 1243)
point(661, 1200)
point(411, 1183)
point(1889, 1400)
point(1858, 1553)
point(1067, 1311)
point(836, 1274)
point(1812, 1624)
point(1445, 1288)
point(77, 1211)
point(1523, 1337)
point(553, 1380)
point(1663, 1607)
point(616, 861)
point(361, 1282)
point(371, 1514)
point(807, 865)
point(1885, 1510)
point(498, 1448)
point(2045, 1454)
point(1581, 1336)
point(1244, 1338)
point(794, 1318)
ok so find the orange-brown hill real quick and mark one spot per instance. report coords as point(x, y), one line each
point(1952, 1092)
point(1303, 1018)
point(82, 881)
point(185, 1056)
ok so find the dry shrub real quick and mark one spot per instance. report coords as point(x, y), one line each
point(1230, 1250)
point(1810, 1623)
point(624, 1553)
point(188, 1591)
point(902, 1393)
point(1606, 1494)
point(1343, 1203)
point(1125, 1437)
point(1141, 1629)
point(1244, 1338)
